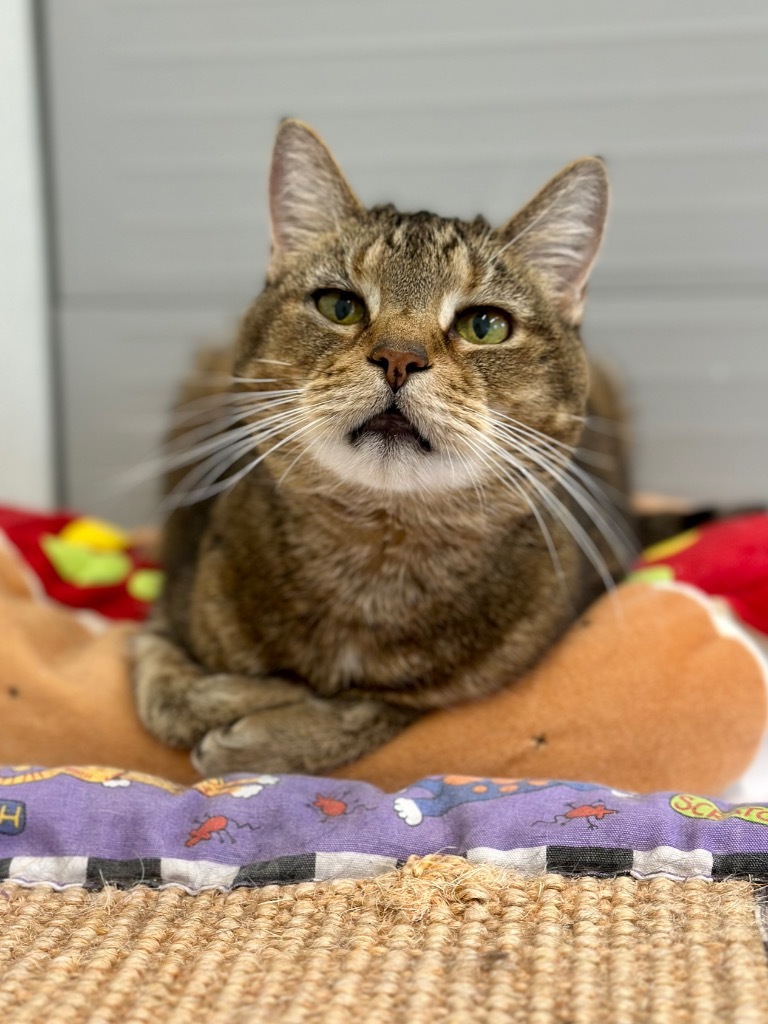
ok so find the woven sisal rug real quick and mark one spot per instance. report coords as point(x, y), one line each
point(439, 940)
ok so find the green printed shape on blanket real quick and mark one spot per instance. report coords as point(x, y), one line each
point(82, 567)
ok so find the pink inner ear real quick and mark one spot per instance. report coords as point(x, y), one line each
point(308, 194)
point(559, 232)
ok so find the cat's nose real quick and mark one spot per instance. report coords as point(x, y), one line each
point(399, 363)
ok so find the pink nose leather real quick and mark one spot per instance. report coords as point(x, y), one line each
point(398, 364)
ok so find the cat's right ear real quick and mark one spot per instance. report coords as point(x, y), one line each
point(308, 194)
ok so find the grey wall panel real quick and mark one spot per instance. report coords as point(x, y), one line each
point(163, 112)
point(696, 376)
point(121, 376)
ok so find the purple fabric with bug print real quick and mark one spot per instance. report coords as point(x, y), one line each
point(99, 826)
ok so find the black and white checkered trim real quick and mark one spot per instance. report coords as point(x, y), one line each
point(659, 862)
point(196, 875)
point(192, 875)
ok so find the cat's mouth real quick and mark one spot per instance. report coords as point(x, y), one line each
point(390, 424)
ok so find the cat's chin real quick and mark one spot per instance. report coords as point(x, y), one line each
point(399, 464)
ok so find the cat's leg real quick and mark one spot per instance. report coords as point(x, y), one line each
point(313, 736)
point(178, 702)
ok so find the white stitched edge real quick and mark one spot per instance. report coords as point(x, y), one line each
point(723, 618)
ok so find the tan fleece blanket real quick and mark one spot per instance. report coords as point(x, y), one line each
point(653, 688)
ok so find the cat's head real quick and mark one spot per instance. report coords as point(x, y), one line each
point(416, 353)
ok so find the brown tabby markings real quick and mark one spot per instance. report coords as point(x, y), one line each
point(350, 579)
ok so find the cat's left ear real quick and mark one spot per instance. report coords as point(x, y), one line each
point(558, 232)
point(308, 194)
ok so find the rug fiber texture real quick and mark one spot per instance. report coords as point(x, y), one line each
point(439, 940)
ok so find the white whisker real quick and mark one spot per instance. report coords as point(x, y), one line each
point(179, 455)
point(326, 433)
point(213, 468)
point(598, 459)
point(514, 485)
point(208, 406)
point(588, 548)
point(253, 411)
point(263, 359)
point(569, 476)
point(222, 440)
point(201, 494)
point(223, 423)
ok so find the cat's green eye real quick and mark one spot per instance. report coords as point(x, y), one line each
point(484, 326)
point(340, 307)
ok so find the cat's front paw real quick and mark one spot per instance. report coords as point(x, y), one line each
point(309, 737)
point(247, 745)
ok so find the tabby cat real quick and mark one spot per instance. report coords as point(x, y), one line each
point(389, 513)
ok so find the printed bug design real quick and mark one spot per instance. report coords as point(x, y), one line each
point(590, 813)
point(217, 825)
point(332, 807)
